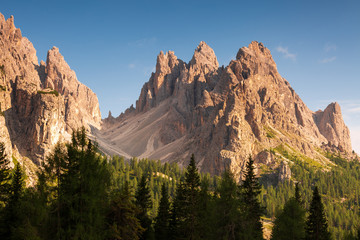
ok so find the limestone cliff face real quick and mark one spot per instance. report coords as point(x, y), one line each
point(81, 104)
point(40, 104)
point(222, 114)
point(332, 126)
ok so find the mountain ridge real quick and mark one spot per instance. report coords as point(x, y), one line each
point(222, 114)
point(225, 114)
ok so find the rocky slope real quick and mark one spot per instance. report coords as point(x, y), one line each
point(40, 103)
point(223, 115)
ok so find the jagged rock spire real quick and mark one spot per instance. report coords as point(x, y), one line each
point(204, 55)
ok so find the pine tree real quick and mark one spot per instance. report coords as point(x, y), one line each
point(49, 185)
point(206, 211)
point(76, 180)
point(4, 174)
point(316, 224)
point(12, 214)
point(163, 216)
point(228, 208)
point(252, 226)
point(121, 219)
point(290, 222)
point(178, 213)
point(192, 187)
point(144, 204)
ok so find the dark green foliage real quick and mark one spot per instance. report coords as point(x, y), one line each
point(76, 181)
point(4, 174)
point(228, 208)
point(290, 222)
point(178, 213)
point(162, 219)
point(144, 204)
point(186, 204)
point(339, 187)
point(192, 200)
point(250, 190)
point(82, 195)
point(316, 224)
point(12, 218)
point(206, 210)
point(122, 223)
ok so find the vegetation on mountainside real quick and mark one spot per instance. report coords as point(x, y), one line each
point(82, 195)
point(56, 93)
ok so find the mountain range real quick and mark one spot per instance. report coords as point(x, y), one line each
point(222, 114)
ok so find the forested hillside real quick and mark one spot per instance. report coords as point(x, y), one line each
point(81, 194)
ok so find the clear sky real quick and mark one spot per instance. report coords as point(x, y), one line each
point(112, 45)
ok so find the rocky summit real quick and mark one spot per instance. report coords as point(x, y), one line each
point(223, 115)
point(40, 104)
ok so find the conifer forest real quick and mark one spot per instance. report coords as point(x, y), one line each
point(82, 194)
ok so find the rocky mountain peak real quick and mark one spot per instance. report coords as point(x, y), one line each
point(8, 27)
point(331, 124)
point(204, 57)
point(255, 52)
point(165, 62)
point(59, 74)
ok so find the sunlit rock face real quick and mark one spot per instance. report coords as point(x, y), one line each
point(221, 114)
point(42, 103)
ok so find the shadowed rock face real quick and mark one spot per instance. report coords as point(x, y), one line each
point(223, 115)
point(35, 116)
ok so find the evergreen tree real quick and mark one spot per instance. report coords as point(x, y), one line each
point(144, 204)
point(4, 174)
point(206, 211)
point(49, 186)
point(75, 180)
point(121, 219)
point(12, 213)
point(252, 226)
point(228, 208)
point(316, 224)
point(178, 213)
point(163, 216)
point(191, 204)
point(290, 222)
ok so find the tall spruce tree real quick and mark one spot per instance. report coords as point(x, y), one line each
point(316, 224)
point(162, 220)
point(228, 208)
point(144, 204)
point(290, 222)
point(185, 223)
point(178, 213)
point(206, 210)
point(12, 214)
point(192, 198)
point(250, 189)
point(4, 175)
point(122, 223)
point(192, 186)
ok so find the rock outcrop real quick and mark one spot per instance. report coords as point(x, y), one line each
point(40, 104)
point(82, 105)
point(332, 126)
point(284, 172)
point(221, 114)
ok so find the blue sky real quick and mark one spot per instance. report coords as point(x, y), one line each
point(112, 45)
